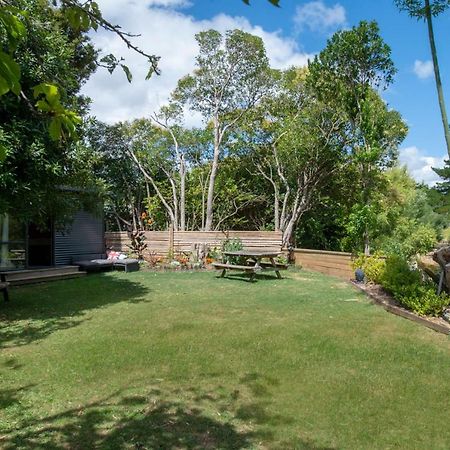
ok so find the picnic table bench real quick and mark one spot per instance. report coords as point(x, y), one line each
point(254, 263)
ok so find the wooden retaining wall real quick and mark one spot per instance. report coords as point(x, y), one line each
point(159, 242)
point(337, 264)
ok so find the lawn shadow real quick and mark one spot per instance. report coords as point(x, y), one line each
point(160, 417)
point(37, 311)
point(157, 420)
point(245, 277)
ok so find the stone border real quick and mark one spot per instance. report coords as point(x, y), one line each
point(383, 301)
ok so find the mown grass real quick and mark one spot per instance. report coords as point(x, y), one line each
point(188, 360)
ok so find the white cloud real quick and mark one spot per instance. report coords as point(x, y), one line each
point(316, 16)
point(169, 33)
point(423, 69)
point(420, 165)
point(169, 3)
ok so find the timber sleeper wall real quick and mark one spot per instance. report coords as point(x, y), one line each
point(159, 242)
point(338, 264)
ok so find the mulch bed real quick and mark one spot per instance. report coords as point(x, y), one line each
point(379, 296)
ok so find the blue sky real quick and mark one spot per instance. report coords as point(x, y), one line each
point(292, 33)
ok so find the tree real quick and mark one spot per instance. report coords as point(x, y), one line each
point(18, 20)
point(124, 188)
point(406, 223)
point(37, 166)
point(230, 78)
point(299, 144)
point(149, 147)
point(426, 11)
point(169, 118)
point(346, 75)
point(441, 197)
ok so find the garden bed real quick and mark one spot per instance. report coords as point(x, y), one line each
point(382, 298)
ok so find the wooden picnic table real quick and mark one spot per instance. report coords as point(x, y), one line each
point(254, 262)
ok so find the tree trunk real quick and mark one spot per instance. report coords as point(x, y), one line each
point(182, 195)
point(119, 226)
point(212, 177)
point(276, 210)
point(155, 187)
point(366, 242)
point(4, 260)
point(437, 75)
point(131, 209)
point(287, 233)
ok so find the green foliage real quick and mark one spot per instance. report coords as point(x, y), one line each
point(353, 59)
point(360, 219)
point(423, 300)
point(138, 244)
point(233, 245)
point(38, 166)
point(347, 74)
point(406, 285)
point(399, 277)
point(417, 8)
point(20, 24)
point(409, 238)
point(446, 234)
point(63, 121)
point(441, 198)
point(374, 266)
point(11, 22)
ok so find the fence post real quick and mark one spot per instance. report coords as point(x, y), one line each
point(171, 240)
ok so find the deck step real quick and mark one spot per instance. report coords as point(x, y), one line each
point(38, 278)
point(33, 273)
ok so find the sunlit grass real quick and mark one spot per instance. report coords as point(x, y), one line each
point(188, 360)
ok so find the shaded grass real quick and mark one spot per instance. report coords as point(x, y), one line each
point(188, 360)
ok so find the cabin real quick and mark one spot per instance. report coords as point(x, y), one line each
point(28, 246)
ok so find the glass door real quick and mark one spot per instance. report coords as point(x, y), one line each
point(40, 245)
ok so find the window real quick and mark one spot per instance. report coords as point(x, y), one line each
point(12, 243)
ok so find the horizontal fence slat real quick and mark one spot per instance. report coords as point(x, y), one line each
point(337, 264)
point(183, 241)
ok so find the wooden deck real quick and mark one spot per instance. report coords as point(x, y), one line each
point(29, 276)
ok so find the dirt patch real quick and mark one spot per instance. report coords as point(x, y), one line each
point(382, 298)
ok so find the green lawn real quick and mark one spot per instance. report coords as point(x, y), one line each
point(187, 360)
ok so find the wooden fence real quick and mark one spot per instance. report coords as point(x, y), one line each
point(337, 264)
point(160, 242)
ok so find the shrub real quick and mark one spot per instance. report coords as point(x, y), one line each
point(138, 244)
point(410, 239)
point(152, 258)
point(421, 240)
point(233, 245)
point(282, 259)
point(398, 276)
point(423, 300)
point(405, 284)
point(373, 266)
point(214, 254)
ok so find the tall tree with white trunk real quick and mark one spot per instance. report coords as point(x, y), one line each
point(231, 77)
point(302, 144)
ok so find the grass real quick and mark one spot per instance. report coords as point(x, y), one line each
point(187, 360)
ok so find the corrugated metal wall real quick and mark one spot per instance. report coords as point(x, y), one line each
point(83, 238)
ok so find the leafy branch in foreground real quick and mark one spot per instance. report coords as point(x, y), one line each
point(80, 17)
point(274, 2)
